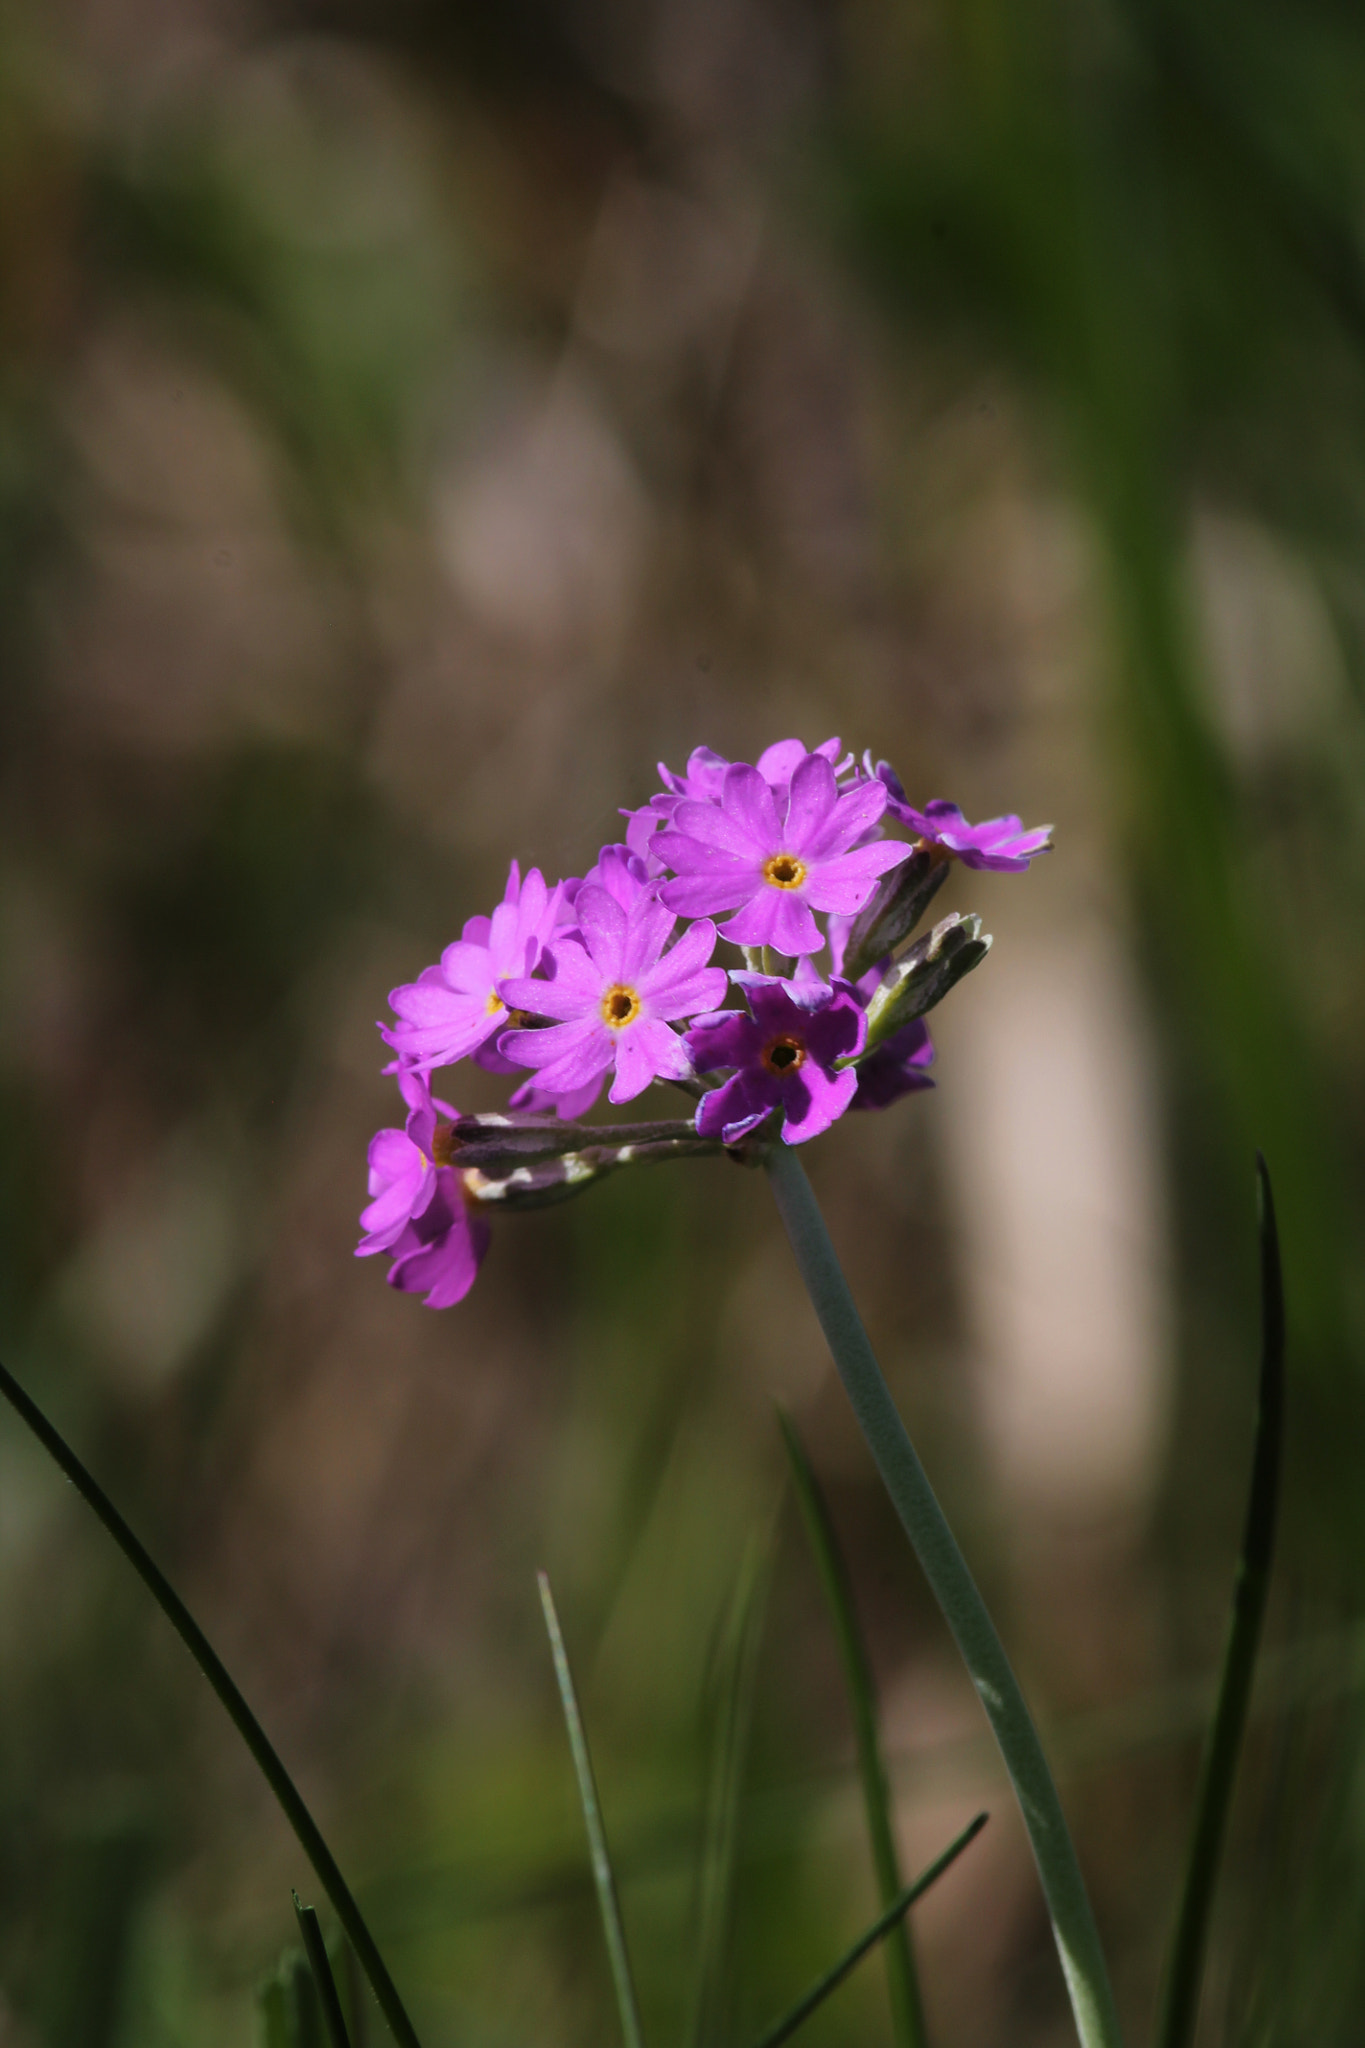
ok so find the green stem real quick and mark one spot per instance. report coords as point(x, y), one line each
point(315, 1948)
point(832, 1979)
point(240, 1714)
point(944, 1566)
point(907, 2007)
point(1180, 2004)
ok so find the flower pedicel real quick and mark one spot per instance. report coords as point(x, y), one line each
point(613, 979)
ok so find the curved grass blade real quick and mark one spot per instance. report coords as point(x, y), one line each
point(608, 1903)
point(907, 2010)
point(959, 1599)
point(243, 1720)
point(832, 1979)
point(355, 1998)
point(1180, 2003)
point(738, 1673)
point(316, 1950)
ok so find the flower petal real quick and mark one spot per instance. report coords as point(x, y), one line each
point(814, 795)
point(604, 926)
point(827, 1096)
point(844, 885)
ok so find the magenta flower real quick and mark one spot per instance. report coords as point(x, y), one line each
point(530, 1099)
point(419, 1211)
point(402, 1174)
point(626, 877)
point(1000, 844)
point(703, 780)
point(785, 1054)
point(615, 991)
point(773, 856)
point(622, 873)
point(456, 1009)
point(440, 1252)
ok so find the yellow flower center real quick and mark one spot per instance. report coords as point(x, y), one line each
point(784, 871)
point(784, 1055)
point(620, 1006)
point(494, 1003)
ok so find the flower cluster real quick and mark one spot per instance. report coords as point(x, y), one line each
point(611, 978)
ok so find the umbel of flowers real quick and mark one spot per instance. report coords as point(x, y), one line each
point(819, 870)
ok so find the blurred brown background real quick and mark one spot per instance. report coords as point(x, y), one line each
point(414, 422)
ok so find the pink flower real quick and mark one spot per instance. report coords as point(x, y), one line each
point(615, 991)
point(774, 856)
point(455, 1009)
point(704, 780)
point(420, 1211)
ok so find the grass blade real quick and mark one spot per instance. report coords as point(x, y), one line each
point(355, 1998)
point(959, 1599)
point(275, 2024)
point(832, 1979)
point(739, 1669)
point(1180, 2003)
point(244, 1721)
point(907, 2011)
point(316, 1950)
point(607, 1901)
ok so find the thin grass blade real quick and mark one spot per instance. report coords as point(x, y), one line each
point(244, 1721)
point(833, 1978)
point(608, 1904)
point(907, 2010)
point(1180, 2003)
point(739, 1666)
point(315, 1948)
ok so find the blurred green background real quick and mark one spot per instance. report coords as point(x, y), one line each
point(415, 420)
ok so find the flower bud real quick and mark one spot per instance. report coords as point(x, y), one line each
point(923, 976)
point(497, 1147)
point(537, 1182)
point(895, 908)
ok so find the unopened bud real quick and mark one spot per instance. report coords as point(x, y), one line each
point(895, 908)
point(923, 976)
point(535, 1183)
point(497, 1147)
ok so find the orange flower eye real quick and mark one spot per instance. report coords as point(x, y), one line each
point(620, 1006)
point(784, 871)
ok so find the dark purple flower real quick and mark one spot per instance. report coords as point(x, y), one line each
point(895, 1068)
point(1000, 844)
point(420, 1211)
point(615, 991)
point(455, 1009)
point(774, 856)
point(784, 1052)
